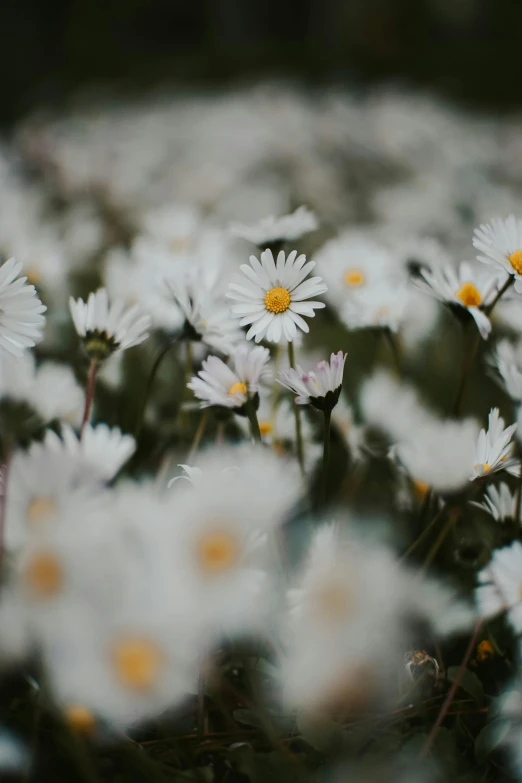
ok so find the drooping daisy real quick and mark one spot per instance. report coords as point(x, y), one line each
point(272, 229)
point(274, 297)
point(494, 448)
point(500, 245)
point(500, 502)
point(218, 384)
point(500, 585)
point(321, 387)
point(107, 327)
point(466, 289)
point(21, 319)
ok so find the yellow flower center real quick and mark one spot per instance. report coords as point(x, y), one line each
point(38, 509)
point(421, 488)
point(515, 259)
point(137, 663)
point(80, 719)
point(33, 277)
point(485, 650)
point(334, 602)
point(468, 295)
point(43, 575)
point(237, 388)
point(217, 552)
point(485, 467)
point(354, 278)
point(277, 300)
point(266, 427)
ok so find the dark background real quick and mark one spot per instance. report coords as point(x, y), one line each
point(469, 49)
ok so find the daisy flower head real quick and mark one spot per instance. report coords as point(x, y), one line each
point(494, 448)
point(393, 407)
point(383, 306)
point(500, 585)
point(106, 327)
point(500, 245)
point(321, 387)
point(103, 449)
point(272, 229)
point(499, 502)
point(507, 360)
point(352, 433)
point(219, 384)
point(275, 296)
point(21, 319)
point(465, 290)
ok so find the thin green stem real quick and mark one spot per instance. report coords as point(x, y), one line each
point(252, 418)
point(508, 283)
point(452, 518)
point(89, 394)
point(198, 435)
point(326, 457)
point(297, 414)
point(150, 382)
point(420, 538)
point(394, 348)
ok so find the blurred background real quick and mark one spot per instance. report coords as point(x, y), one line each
point(465, 48)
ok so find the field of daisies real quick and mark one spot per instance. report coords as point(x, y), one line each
point(261, 441)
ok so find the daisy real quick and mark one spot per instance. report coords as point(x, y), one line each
point(21, 319)
point(465, 290)
point(500, 585)
point(383, 306)
point(494, 448)
point(272, 229)
point(320, 388)
point(218, 384)
point(500, 242)
point(353, 434)
point(393, 407)
point(500, 502)
point(105, 450)
point(107, 327)
point(507, 360)
point(274, 296)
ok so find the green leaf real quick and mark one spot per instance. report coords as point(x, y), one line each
point(469, 683)
point(490, 738)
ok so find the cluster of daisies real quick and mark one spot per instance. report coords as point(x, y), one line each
point(168, 408)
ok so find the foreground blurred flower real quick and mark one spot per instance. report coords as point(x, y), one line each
point(321, 387)
point(494, 448)
point(105, 450)
point(272, 229)
point(501, 243)
point(218, 384)
point(382, 306)
point(507, 360)
point(500, 585)
point(464, 290)
point(21, 319)
point(274, 297)
point(107, 327)
point(499, 502)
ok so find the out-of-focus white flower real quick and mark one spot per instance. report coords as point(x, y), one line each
point(321, 387)
point(105, 450)
point(382, 306)
point(500, 585)
point(440, 454)
point(500, 242)
point(21, 319)
point(393, 407)
point(275, 296)
point(218, 384)
point(508, 361)
point(494, 448)
point(174, 225)
point(272, 229)
point(352, 433)
point(223, 526)
point(15, 758)
point(467, 287)
point(108, 327)
point(500, 502)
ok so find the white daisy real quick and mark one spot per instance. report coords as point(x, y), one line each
point(105, 450)
point(500, 242)
point(321, 387)
point(218, 384)
point(272, 229)
point(21, 319)
point(500, 585)
point(56, 394)
point(352, 433)
point(467, 288)
point(494, 448)
point(507, 359)
point(500, 502)
point(381, 306)
point(274, 297)
point(174, 225)
point(108, 327)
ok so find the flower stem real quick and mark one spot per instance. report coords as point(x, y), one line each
point(150, 382)
point(326, 456)
point(451, 693)
point(252, 418)
point(423, 534)
point(508, 283)
point(198, 435)
point(297, 414)
point(89, 394)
